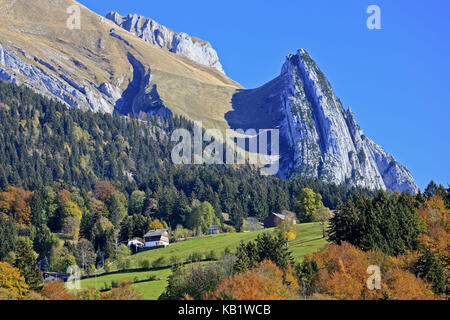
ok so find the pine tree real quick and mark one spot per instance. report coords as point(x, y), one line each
point(26, 262)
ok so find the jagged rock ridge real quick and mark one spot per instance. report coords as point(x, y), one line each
point(180, 43)
point(319, 138)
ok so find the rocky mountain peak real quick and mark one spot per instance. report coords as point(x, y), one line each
point(179, 43)
point(319, 138)
point(328, 139)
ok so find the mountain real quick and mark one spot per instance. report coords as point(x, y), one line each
point(318, 137)
point(104, 68)
point(151, 70)
point(179, 43)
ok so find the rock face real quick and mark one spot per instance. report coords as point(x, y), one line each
point(319, 138)
point(58, 83)
point(180, 43)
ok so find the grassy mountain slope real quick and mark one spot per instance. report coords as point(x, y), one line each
point(310, 240)
point(37, 31)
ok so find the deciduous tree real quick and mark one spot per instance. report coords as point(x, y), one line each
point(12, 281)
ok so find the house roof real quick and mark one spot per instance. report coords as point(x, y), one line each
point(281, 216)
point(155, 233)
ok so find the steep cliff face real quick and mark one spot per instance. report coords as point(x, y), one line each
point(18, 67)
point(179, 43)
point(319, 138)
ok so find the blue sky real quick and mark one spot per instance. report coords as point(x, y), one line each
point(397, 80)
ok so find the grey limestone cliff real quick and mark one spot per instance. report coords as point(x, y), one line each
point(179, 43)
point(319, 137)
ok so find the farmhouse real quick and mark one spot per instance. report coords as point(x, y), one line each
point(275, 219)
point(156, 238)
point(55, 276)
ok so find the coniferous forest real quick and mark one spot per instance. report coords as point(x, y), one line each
point(46, 144)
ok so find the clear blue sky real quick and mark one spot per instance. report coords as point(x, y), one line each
point(397, 80)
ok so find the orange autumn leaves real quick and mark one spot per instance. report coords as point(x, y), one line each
point(265, 282)
point(12, 283)
point(437, 220)
point(15, 202)
point(343, 276)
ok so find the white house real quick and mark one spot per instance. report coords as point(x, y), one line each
point(135, 243)
point(157, 238)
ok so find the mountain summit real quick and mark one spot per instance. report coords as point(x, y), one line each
point(134, 66)
point(180, 43)
point(319, 137)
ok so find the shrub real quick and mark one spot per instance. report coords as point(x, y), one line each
point(212, 255)
point(175, 260)
point(196, 256)
point(160, 262)
point(194, 281)
point(145, 264)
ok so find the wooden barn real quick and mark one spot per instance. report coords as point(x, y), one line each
point(275, 219)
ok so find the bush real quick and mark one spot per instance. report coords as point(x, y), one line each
point(196, 256)
point(160, 262)
point(106, 287)
point(194, 281)
point(90, 270)
point(227, 251)
point(212, 255)
point(145, 264)
point(124, 264)
point(229, 229)
point(175, 260)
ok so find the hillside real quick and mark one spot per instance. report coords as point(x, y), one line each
point(310, 240)
point(91, 68)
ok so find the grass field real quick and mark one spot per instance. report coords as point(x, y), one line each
point(309, 240)
point(150, 290)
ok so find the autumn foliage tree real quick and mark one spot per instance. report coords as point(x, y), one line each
point(341, 273)
point(103, 190)
point(265, 282)
point(307, 202)
point(156, 225)
point(12, 283)
point(15, 202)
point(56, 290)
point(434, 261)
point(125, 291)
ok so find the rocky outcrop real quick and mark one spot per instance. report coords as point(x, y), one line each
point(179, 43)
point(55, 82)
point(319, 138)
